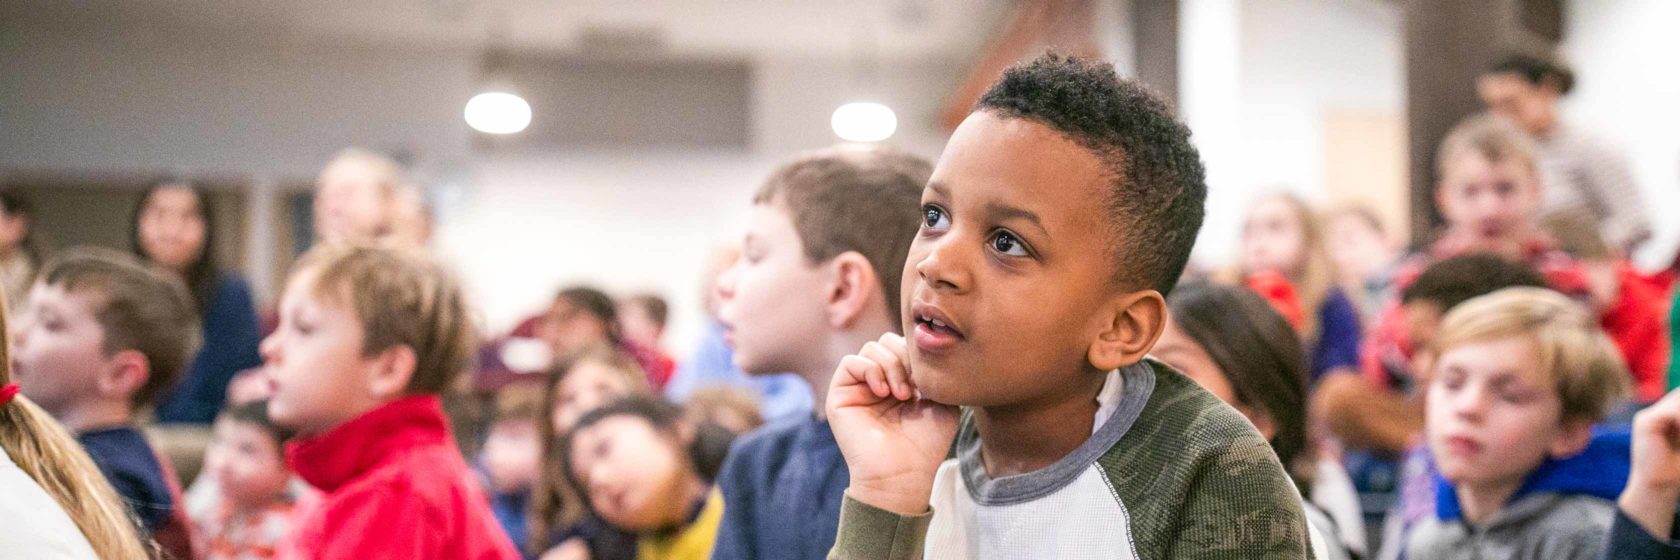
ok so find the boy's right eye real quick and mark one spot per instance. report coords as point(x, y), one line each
point(934, 218)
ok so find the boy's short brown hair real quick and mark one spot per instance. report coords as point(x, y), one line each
point(401, 297)
point(868, 201)
point(1490, 137)
point(141, 307)
point(1582, 363)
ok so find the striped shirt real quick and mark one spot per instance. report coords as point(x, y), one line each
point(1583, 174)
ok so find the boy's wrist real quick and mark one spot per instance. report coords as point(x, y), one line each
point(1651, 505)
point(901, 498)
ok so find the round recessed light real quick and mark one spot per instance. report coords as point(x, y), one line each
point(864, 121)
point(498, 113)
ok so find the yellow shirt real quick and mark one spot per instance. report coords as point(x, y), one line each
point(693, 542)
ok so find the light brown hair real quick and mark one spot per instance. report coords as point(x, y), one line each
point(402, 298)
point(555, 503)
point(140, 306)
point(48, 455)
point(1489, 137)
point(867, 201)
point(1580, 360)
point(1318, 274)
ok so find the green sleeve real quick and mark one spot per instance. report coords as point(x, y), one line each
point(871, 533)
point(1199, 482)
point(1674, 344)
point(1242, 506)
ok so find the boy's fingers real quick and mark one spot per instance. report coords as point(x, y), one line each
point(892, 366)
point(866, 371)
point(895, 342)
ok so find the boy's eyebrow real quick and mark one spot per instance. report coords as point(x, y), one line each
point(939, 189)
point(998, 211)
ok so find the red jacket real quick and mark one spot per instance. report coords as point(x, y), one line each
point(394, 486)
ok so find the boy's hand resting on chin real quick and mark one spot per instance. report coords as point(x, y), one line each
point(893, 440)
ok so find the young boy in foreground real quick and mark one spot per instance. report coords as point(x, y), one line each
point(1061, 211)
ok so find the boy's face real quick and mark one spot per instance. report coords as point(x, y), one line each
point(1273, 239)
point(1006, 283)
point(350, 204)
point(568, 329)
point(638, 325)
point(1490, 203)
point(773, 298)
point(1493, 415)
point(587, 387)
point(246, 462)
point(1423, 320)
point(314, 362)
point(1355, 246)
point(633, 473)
point(512, 455)
point(58, 348)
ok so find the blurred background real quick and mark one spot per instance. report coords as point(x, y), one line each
point(642, 127)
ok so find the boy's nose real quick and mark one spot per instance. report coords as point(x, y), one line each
point(1471, 403)
point(269, 348)
point(942, 266)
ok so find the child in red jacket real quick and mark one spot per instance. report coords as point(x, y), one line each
point(368, 337)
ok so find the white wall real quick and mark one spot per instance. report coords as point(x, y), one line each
point(1625, 53)
point(1259, 77)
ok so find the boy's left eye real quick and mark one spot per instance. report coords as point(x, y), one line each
point(1006, 243)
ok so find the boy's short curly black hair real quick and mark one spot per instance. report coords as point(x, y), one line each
point(1159, 185)
point(1462, 278)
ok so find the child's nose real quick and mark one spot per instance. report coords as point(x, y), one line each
point(942, 266)
point(1471, 403)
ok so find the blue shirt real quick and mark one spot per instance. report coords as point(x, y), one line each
point(1338, 335)
point(782, 487)
point(782, 397)
point(128, 462)
point(231, 336)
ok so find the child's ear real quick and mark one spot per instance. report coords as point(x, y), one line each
point(852, 288)
point(1573, 440)
point(393, 368)
point(126, 373)
point(1130, 332)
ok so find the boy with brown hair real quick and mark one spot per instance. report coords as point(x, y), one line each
point(1062, 209)
point(368, 338)
point(101, 336)
point(1519, 378)
point(818, 277)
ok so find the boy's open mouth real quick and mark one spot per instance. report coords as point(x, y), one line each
point(934, 322)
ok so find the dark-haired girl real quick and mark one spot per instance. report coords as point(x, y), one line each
point(173, 227)
point(1232, 343)
point(643, 469)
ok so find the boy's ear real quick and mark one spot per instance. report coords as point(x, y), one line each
point(393, 368)
point(1130, 332)
point(126, 373)
point(852, 288)
point(1574, 439)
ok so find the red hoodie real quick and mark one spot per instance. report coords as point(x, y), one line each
point(394, 486)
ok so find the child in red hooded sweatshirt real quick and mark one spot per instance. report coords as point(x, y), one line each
point(368, 337)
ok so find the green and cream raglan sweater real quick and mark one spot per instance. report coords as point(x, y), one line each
point(1170, 472)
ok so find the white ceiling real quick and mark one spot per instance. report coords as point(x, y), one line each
point(887, 29)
